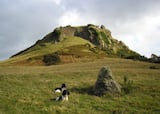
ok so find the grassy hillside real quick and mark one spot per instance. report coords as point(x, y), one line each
point(28, 90)
point(34, 55)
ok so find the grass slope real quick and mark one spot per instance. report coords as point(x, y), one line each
point(28, 90)
point(35, 54)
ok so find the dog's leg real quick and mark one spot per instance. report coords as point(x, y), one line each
point(57, 98)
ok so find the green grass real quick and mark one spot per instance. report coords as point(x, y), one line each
point(28, 89)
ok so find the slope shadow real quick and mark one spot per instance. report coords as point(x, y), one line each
point(87, 90)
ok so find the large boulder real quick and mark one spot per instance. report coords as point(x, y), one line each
point(106, 83)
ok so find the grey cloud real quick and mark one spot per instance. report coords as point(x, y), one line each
point(22, 22)
point(114, 10)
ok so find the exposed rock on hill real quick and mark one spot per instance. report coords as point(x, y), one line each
point(106, 83)
point(154, 58)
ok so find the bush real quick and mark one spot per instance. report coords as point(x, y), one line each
point(127, 86)
point(56, 35)
point(51, 59)
point(105, 37)
point(153, 67)
point(137, 57)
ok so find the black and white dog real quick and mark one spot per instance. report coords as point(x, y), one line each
point(60, 89)
point(64, 96)
point(64, 91)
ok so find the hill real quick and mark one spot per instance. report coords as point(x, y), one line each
point(70, 44)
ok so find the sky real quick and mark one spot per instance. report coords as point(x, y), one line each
point(135, 22)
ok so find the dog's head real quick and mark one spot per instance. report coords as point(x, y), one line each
point(63, 85)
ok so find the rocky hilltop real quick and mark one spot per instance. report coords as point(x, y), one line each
point(68, 44)
point(98, 36)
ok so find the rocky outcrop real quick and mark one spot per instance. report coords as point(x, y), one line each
point(106, 83)
point(154, 58)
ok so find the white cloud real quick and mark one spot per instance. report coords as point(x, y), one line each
point(141, 35)
point(74, 18)
point(57, 2)
point(135, 22)
point(69, 18)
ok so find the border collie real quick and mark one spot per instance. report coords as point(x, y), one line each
point(60, 89)
point(64, 96)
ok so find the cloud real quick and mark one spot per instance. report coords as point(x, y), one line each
point(135, 22)
point(58, 2)
point(73, 17)
point(69, 18)
point(24, 22)
point(141, 35)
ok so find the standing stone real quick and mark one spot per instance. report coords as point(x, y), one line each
point(105, 83)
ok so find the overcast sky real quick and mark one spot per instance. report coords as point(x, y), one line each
point(135, 22)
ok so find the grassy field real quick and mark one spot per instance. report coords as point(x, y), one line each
point(28, 89)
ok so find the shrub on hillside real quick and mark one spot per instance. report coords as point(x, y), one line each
point(56, 35)
point(137, 57)
point(153, 67)
point(51, 59)
point(127, 86)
